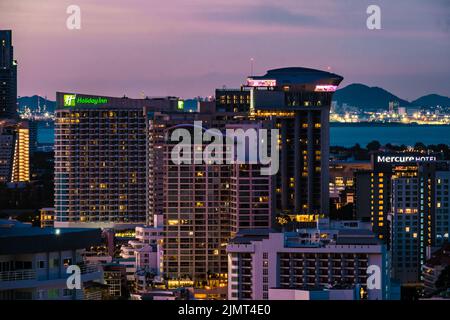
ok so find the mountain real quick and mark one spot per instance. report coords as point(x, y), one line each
point(356, 95)
point(368, 98)
point(432, 100)
point(36, 101)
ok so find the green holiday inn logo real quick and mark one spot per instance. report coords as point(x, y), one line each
point(71, 100)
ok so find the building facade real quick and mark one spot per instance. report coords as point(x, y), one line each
point(309, 259)
point(14, 151)
point(298, 101)
point(419, 216)
point(100, 160)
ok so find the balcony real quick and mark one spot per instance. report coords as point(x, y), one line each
point(20, 279)
point(17, 275)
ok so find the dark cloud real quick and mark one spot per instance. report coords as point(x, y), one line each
point(266, 15)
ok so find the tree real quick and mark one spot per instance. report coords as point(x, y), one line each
point(420, 146)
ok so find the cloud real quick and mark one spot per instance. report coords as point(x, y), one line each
point(264, 15)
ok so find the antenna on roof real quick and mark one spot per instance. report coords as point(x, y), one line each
point(251, 66)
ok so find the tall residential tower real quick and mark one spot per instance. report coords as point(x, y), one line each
point(8, 77)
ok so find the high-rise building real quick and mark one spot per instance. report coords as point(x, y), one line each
point(203, 204)
point(100, 159)
point(197, 222)
point(7, 138)
point(8, 77)
point(406, 197)
point(335, 256)
point(298, 101)
point(419, 217)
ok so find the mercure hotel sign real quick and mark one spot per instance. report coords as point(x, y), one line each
point(405, 159)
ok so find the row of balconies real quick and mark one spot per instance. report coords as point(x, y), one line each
point(30, 278)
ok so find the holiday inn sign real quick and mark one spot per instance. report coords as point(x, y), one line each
point(72, 100)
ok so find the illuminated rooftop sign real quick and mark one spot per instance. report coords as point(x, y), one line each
point(325, 88)
point(261, 83)
point(180, 105)
point(71, 100)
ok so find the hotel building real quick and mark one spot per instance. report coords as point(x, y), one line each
point(419, 216)
point(100, 160)
point(318, 259)
point(298, 101)
point(197, 224)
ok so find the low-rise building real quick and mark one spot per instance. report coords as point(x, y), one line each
point(333, 254)
point(432, 270)
point(34, 261)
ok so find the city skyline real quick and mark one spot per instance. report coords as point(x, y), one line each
point(228, 180)
point(189, 50)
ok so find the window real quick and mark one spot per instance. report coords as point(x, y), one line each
point(41, 264)
point(54, 263)
point(67, 292)
point(67, 262)
point(53, 293)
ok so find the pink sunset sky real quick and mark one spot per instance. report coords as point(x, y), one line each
point(188, 48)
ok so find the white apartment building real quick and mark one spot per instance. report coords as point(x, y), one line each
point(333, 257)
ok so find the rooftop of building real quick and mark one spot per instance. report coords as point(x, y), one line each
point(246, 236)
point(300, 75)
point(327, 232)
point(68, 101)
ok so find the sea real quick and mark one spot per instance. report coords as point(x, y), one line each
point(347, 135)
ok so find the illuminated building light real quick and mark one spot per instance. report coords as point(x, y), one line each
point(325, 88)
point(261, 82)
point(21, 163)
